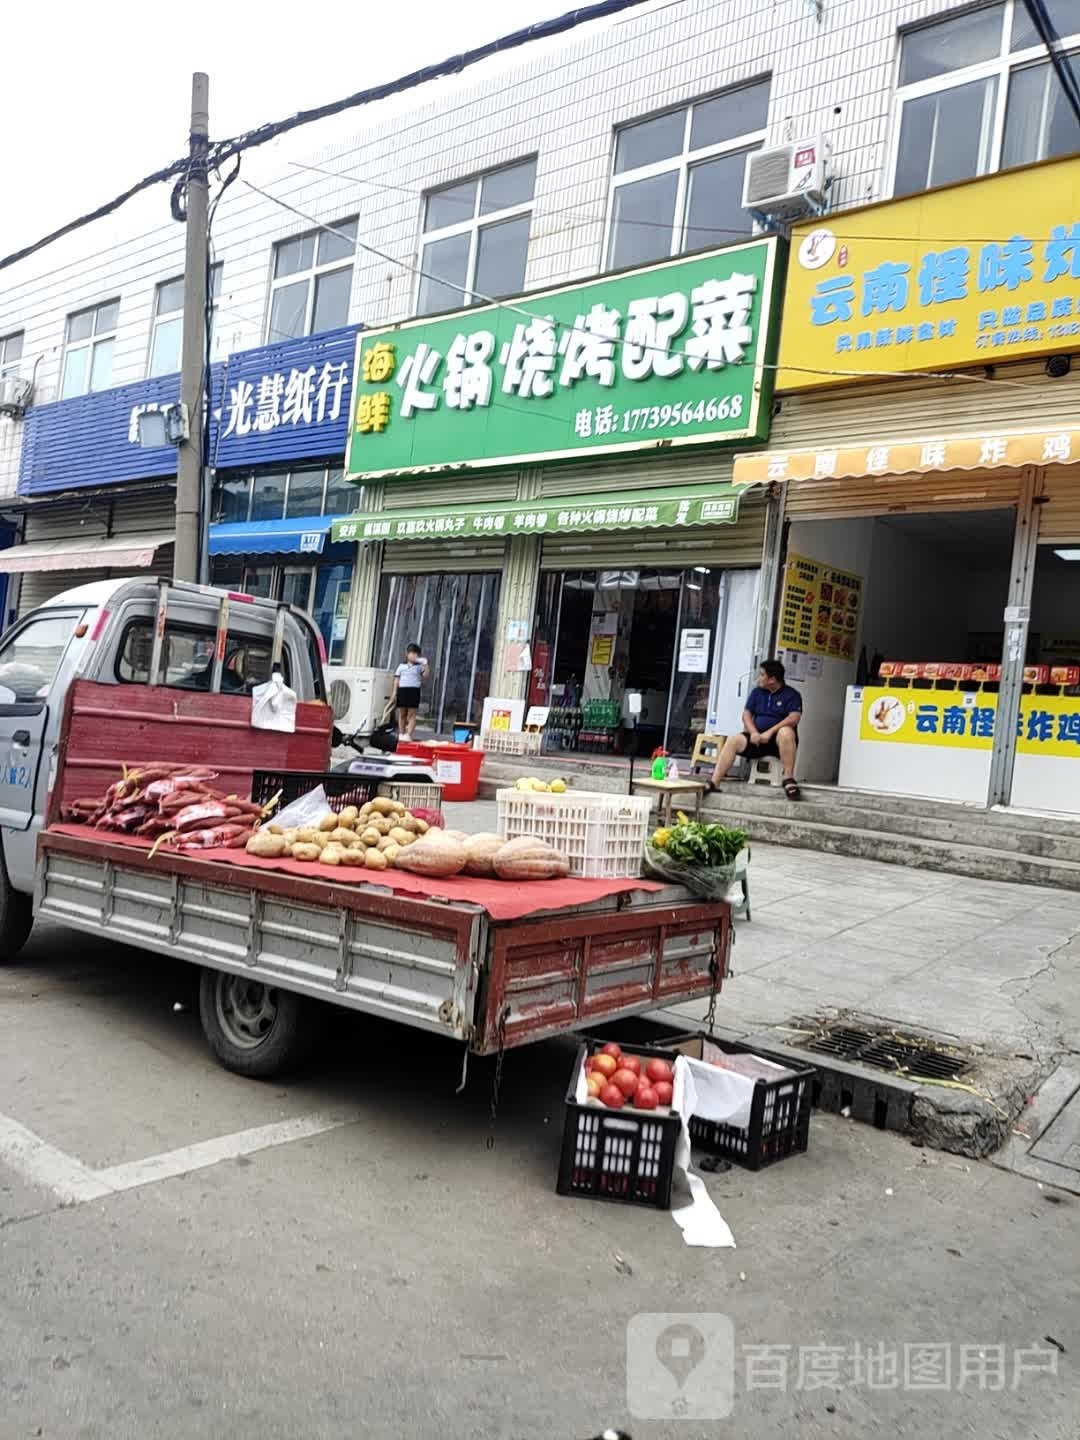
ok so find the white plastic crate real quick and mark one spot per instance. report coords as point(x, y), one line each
point(603, 836)
point(409, 792)
point(508, 742)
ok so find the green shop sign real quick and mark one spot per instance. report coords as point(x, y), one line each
point(673, 354)
point(637, 510)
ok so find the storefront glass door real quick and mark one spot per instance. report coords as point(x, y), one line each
point(452, 619)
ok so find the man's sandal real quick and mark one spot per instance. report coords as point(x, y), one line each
point(791, 789)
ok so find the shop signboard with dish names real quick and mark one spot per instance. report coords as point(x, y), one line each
point(819, 612)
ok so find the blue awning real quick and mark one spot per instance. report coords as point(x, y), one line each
point(305, 536)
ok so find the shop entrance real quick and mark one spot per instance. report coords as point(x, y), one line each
point(898, 623)
point(679, 638)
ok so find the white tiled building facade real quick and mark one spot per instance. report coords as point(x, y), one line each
point(977, 91)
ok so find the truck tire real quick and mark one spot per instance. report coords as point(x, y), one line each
point(254, 1029)
point(16, 917)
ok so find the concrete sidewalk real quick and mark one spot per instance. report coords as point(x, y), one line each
point(991, 964)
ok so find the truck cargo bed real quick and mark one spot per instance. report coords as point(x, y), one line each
point(447, 967)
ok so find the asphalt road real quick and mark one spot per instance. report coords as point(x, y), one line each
point(343, 1256)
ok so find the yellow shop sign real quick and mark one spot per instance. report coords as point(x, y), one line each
point(972, 274)
point(951, 720)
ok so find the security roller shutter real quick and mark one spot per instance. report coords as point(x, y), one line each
point(730, 547)
point(660, 470)
point(468, 488)
point(900, 494)
point(1059, 516)
point(441, 557)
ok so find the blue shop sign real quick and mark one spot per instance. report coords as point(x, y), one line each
point(276, 405)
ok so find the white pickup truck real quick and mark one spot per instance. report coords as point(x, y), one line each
point(141, 672)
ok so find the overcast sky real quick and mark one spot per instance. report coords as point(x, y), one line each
point(99, 95)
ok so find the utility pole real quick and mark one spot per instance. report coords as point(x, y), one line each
point(190, 511)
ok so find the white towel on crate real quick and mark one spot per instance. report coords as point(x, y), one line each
point(700, 1221)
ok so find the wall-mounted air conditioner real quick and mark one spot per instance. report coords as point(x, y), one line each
point(15, 394)
point(358, 696)
point(786, 182)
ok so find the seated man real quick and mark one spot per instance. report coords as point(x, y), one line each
point(770, 719)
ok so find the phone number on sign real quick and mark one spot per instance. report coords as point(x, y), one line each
point(655, 417)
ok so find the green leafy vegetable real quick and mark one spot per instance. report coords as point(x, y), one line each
point(694, 844)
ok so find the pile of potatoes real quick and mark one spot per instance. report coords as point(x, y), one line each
point(371, 837)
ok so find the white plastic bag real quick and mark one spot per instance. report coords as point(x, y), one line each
point(308, 809)
point(273, 705)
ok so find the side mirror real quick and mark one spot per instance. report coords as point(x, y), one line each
point(8, 697)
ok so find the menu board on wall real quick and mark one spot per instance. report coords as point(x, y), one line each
point(819, 613)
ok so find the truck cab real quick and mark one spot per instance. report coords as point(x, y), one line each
point(106, 632)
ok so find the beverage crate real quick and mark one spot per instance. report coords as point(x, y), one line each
point(603, 836)
point(509, 742)
point(626, 1154)
point(600, 714)
point(426, 793)
point(341, 789)
point(779, 1119)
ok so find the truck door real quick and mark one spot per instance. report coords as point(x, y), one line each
point(31, 654)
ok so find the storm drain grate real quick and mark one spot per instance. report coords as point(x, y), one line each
point(883, 1049)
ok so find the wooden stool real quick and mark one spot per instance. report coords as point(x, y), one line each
point(706, 751)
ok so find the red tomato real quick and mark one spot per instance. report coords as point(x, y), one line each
point(611, 1049)
point(613, 1097)
point(630, 1062)
point(605, 1065)
point(626, 1080)
point(594, 1085)
point(646, 1098)
point(664, 1091)
point(658, 1070)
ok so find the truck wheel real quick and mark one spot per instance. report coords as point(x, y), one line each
point(16, 917)
point(254, 1029)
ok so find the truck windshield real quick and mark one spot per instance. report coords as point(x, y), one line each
point(188, 658)
point(31, 657)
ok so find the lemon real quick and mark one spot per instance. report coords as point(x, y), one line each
point(558, 787)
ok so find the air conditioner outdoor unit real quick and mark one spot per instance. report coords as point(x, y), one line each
point(358, 696)
point(14, 394)
point(786, 181)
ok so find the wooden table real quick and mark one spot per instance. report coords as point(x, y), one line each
point(666, 790)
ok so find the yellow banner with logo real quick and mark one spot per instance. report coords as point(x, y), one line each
point(971, 274)
point(951, 719)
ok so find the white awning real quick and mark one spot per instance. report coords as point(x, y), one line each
point(128, 551)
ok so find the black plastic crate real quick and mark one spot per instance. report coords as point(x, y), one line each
point(341, 789)
point(779, 1114)
point(626, 1155)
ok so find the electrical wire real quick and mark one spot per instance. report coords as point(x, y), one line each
point(1040, 18)
point(223, 150)
point(517, 309)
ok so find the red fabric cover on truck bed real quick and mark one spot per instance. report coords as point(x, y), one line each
point(106, 726)
point(502, 899)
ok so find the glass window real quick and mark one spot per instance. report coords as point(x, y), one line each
point(696, 199)
point(311, 281)
point(1039, 121)
point(88, 349)
point(333, 583)
point(305, 493)
point(165, 346)
point(512, 185)
point(463, 260)
point(169, 296)
point(951, 44)
point(331, 300)
point(714, 213)
point(343, 496)
point(450, 206)
point(11, 349)
point(30, 659)
point(233, 494)
point(337, 243)
point(445, 264)
point(643, 220)
point(296, 587)
point(268, 496)
point(1064, 17)
point(188, 658)
point(945, 136)
point(647, 141)
point(727, 116)
point(501, 254)
point(259, 581)
point(288, 311)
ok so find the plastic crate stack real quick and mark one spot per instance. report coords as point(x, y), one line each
point(603, 836)
point(599, 726)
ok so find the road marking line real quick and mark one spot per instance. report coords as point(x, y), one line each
point(73, 1183)
point(212, 1152)
point(43, 1165)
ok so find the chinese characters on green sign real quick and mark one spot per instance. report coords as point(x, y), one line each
point(669, 355)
